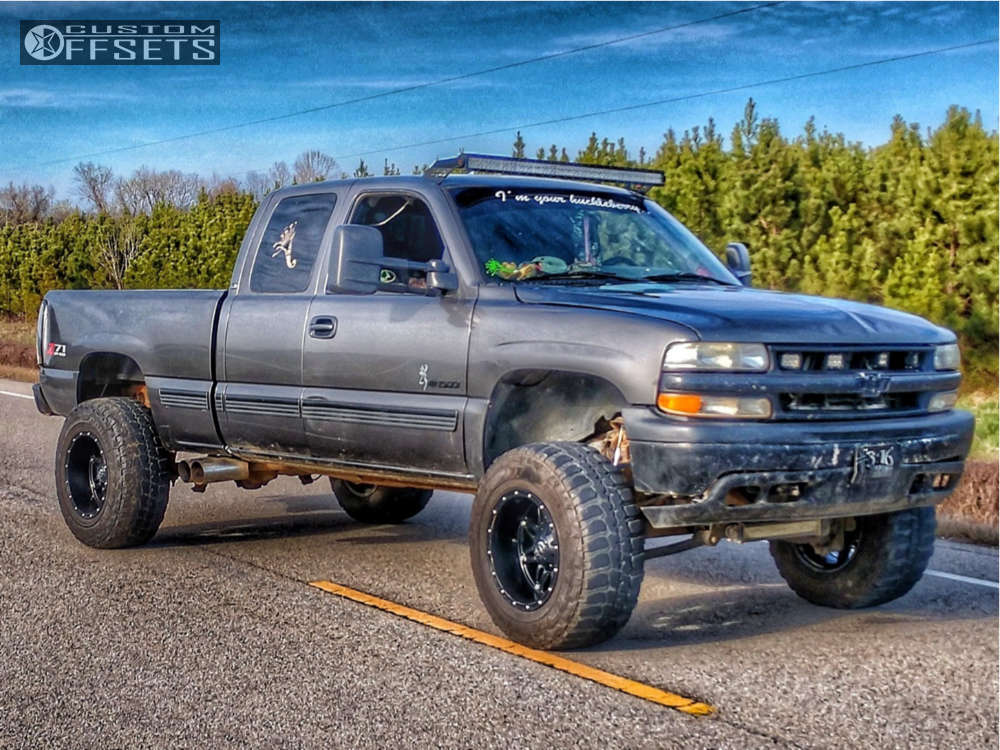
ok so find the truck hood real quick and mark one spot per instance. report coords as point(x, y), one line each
point(732, 313)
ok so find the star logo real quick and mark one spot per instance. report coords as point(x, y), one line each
point(43, 42)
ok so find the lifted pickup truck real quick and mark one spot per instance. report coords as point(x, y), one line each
point(563, 349)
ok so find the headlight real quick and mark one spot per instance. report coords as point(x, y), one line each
point(695, 405)
point(947, 357)
point(710, 355)
point(942, 401)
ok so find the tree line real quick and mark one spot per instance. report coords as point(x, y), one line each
point(911, 223)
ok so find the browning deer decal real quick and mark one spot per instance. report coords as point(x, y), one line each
point(284, 244)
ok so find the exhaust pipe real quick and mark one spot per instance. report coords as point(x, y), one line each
point(201, 471)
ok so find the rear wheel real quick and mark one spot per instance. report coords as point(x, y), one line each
point(556, 544)
point(882, 558)
point(112, 473)
point(371, 503)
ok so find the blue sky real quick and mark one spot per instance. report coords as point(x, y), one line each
point(282, 57)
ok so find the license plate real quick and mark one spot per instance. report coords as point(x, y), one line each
point(875, 461)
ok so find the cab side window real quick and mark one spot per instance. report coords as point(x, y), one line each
point(290, 244)
point(408, 231)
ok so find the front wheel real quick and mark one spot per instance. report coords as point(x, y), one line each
point(557, 546)
point(882, 558)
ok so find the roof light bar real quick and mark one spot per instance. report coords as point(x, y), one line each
point(537, 168)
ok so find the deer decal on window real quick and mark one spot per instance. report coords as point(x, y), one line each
point(284, 245)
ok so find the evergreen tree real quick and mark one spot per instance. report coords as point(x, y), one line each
point(518, 147)
point(912, 223)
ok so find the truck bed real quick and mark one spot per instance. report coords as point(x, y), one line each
point(166, 333)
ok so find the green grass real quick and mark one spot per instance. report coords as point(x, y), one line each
point(985, 407)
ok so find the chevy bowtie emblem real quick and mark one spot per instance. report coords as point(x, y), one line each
point(872, 384)
point(284, 244)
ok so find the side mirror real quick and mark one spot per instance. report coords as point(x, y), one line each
point(738, 262)
point(355, 260)
point(439, 276)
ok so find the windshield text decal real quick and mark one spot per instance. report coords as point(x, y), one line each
point(542, 199)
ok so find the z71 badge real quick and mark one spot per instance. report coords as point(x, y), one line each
point(56, 350)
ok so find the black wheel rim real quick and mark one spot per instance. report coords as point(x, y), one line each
point(523, 550)
point(86, 475)
point(832, 561)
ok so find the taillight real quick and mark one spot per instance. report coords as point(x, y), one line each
point(42, 332)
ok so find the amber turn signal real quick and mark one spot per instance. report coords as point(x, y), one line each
point(722, 407)
point(679, 403)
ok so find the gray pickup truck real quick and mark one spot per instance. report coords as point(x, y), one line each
point(564, 349)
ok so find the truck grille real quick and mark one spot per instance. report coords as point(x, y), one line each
point(852, 383)
point(825, 402)
point(826, 383)
point(856, 360)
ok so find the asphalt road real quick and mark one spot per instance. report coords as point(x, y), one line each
point(210, 637)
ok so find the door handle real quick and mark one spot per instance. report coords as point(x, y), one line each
point(323, 327)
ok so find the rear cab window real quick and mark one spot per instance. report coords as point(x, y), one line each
point(290, 244)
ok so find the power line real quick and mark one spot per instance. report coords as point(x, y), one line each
point(414, 87)
point(659, 102)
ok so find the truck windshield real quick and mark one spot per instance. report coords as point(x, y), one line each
point(532, 234)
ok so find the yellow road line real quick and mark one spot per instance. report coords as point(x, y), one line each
point(637, 689)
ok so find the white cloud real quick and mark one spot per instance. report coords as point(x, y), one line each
point(26, 98)
point(35, 98)
point(703, 33)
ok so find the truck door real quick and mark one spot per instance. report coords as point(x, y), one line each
point(259, 394)
point(384, 374)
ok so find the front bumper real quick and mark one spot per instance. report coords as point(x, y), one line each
point(780, 471)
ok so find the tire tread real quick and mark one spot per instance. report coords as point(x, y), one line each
point(143, 472)
point(899, 547)
point(612, 539)
point(387, 505)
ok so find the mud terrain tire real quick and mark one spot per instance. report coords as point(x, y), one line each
point(112, 473)
point(371, 503)
point(557, 546)
point(885, 557)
